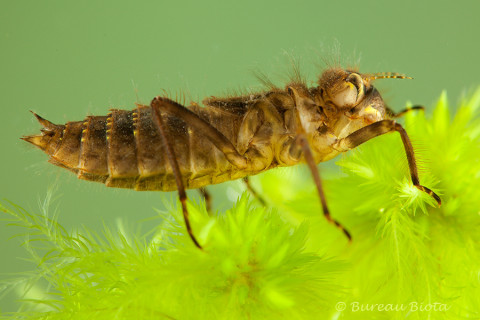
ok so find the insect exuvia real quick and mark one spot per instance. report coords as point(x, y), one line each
point(166, 146)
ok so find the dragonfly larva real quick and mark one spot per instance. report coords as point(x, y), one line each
point(165, 146)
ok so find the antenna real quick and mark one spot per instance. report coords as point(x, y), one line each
point(387, 75)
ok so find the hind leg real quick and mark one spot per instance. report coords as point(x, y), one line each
point(208, 198)
point(217, 138)
point(175, 168)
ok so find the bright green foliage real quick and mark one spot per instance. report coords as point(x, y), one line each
point(407, 253)
point(253, 266)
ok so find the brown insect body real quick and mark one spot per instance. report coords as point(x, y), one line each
point(124, 149)
point(167, 147)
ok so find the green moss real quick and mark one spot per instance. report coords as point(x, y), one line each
point(253, 266)
point(407, 253)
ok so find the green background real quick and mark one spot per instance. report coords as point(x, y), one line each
point(66, 59)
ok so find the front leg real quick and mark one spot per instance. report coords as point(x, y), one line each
point(393, 114)
point(376, 129)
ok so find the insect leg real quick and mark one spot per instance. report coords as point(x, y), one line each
point(208, 199)
point(156, 105)
point(253, 192)
point(302, 142)
point(212, 134)
point(381, 127)
point(307, 153)
point(401, 113)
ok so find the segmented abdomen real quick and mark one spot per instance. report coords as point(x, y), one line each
point(125, 149)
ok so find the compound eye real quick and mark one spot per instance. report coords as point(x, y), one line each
point(352, 93)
